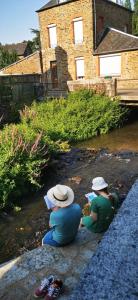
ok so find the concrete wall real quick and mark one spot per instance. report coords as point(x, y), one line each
point(28, 65)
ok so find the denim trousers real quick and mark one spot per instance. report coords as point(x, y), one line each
point(48, 239)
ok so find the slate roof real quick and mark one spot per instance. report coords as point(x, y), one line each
point(19, 48)
point(53, 3)
point(114, 40)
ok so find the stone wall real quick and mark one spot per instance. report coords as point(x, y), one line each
point(67, 51)
point(114, 16)
point(130, 65)
point(98, 85)
point(129, 69)
point(28, 65)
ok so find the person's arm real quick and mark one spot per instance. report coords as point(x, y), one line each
point(53, 219)
point(94, 210)
point(94, 216)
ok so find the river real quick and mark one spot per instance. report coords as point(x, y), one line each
point(23, 231)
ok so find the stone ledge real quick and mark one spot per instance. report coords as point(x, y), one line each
point(21, 276)
point(112, 273)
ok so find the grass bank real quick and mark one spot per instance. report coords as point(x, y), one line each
point(45, 130)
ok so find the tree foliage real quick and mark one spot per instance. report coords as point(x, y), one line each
point(135, 18)
point(127, 4)
point(6, 57)
point(35, 43)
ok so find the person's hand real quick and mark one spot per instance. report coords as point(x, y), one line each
point(86, 209)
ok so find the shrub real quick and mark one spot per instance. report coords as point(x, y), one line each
point(27, 148)
point(81, 116)
point(24, 153)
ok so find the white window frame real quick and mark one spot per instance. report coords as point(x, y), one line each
point(52, 31)
point(80, 73)
point(76, 28)
point(108, 61)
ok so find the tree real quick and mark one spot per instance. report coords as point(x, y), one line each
point(127, 4)
point(35, 43)
point(135, 18)
point(6, 57)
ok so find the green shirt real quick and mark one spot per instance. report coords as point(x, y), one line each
point(105, 210)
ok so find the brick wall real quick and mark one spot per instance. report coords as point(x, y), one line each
point(66, 52)
point(28, 65)
point(114, 16)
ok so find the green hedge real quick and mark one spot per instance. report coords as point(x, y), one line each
point(44, 130)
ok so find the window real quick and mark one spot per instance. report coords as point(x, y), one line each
point(78, 31)
point(52, 35)
point(79, 68)
point(110, 65)
point(54, 75)
point(61, 1)
point(100, 24)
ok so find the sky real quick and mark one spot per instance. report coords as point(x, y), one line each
point(16, 19)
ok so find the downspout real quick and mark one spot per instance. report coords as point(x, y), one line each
point(94, 10)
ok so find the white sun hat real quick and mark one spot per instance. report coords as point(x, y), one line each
point(98, 183)
point(61, 195)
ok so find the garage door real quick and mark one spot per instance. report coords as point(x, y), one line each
point(110, 65)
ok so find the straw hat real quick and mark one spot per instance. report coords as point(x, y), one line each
point(98, 183)
point(61, 195)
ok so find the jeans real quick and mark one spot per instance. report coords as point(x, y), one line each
point(48, 239)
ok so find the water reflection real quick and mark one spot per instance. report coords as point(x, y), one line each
point(125, 138)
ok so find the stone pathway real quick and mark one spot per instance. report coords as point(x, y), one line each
point(20, 277)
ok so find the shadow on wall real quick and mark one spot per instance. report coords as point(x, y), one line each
point(58, 75)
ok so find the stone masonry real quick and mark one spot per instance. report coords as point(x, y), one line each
point(66, 51)
point(28, 65)
point(20, 277)
point(113, 16)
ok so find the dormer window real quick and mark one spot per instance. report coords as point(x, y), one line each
point(52, 30)
point(78, 31)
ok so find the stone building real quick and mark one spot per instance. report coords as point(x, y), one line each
point(82, 40)
point(71, 35)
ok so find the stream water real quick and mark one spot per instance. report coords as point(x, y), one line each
point(23, 231)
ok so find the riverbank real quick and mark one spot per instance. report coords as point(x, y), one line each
point(76, 169)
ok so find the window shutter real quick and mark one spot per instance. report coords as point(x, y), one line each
point(53, 36)
point(110, 65)
point(78, 32)
point(80, 68)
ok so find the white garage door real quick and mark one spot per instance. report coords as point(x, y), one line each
point(110, 65)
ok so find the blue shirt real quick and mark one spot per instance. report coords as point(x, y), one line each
point(65, 222)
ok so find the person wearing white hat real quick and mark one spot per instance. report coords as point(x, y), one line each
point(102, 208)
point(64, 218)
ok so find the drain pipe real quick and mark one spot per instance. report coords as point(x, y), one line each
point(94, 10)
